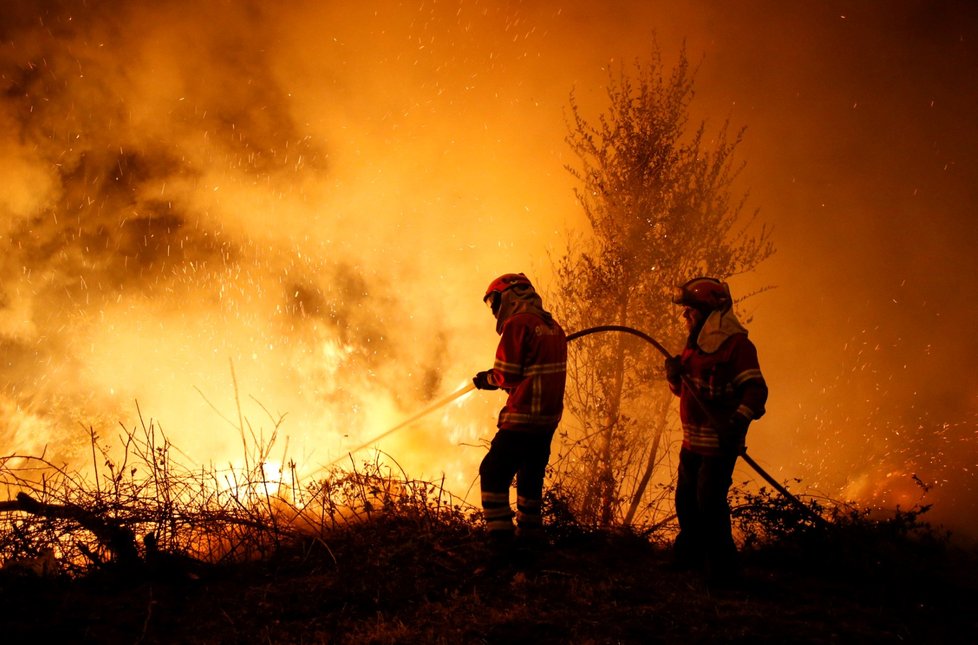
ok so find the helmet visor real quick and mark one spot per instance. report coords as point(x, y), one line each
point(492, 300)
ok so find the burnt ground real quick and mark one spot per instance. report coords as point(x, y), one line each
point(395, 580)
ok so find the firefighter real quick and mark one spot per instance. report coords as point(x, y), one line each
point(531, 367)
point(718, 380)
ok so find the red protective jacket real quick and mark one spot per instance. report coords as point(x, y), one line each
point(531, 365)
point(727, 381)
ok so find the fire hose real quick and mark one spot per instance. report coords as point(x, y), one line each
point(692, 390)
point(689, 386)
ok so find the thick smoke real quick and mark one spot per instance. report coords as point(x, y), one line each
point(315, 196)
point(168, 235)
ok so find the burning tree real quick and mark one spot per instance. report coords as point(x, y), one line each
point(658, 197)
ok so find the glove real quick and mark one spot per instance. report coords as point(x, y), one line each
point(674, 368)
point(481, 381)
point(732, 437)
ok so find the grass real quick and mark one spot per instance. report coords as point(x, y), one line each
point(151, 551)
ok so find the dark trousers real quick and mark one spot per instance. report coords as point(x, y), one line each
point(703, 511)
point(522, 454)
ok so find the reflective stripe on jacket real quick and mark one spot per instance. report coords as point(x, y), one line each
point(531, 365)
point(727, 382)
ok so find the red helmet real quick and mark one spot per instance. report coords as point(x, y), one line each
point(705, 294)
point(506, 281)
point(500, 284)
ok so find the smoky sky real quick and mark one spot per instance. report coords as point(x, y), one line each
point(861, 153)
point(312, 182)
point(120, 121)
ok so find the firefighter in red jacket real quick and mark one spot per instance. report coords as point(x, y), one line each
point(531, 367)
point(721, 390)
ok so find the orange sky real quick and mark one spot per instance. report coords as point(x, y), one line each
point(317, 195)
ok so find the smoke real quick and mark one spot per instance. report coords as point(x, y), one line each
point(298, 206)
point(858, 151)
point(175, 230)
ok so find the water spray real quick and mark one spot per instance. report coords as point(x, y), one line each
point(403, 424)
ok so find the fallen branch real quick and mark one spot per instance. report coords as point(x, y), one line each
point(120, 540)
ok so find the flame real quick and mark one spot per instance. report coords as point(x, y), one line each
point(247, 219)
point(271, 482)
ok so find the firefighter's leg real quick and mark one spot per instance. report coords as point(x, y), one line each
point(529, 487)
point(496, 476)
point(688, 547)
point(715, 479)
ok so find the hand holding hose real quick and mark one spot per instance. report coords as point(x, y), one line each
point(482, 381)
point(674, 368)
point(734, 434)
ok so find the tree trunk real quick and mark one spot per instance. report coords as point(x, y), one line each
point(660, 428)
point(607, 475)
